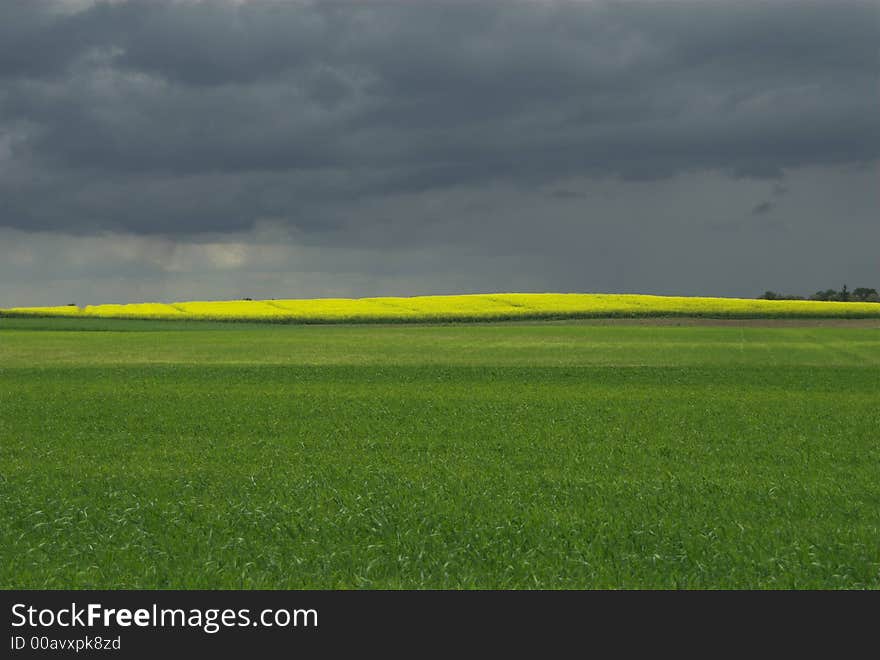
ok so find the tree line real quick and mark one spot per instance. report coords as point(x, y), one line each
point(860, 294)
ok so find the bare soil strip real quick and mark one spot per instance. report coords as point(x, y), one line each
point(753, 322)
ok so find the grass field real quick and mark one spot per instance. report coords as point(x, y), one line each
point(478, 307)
point(137, 454)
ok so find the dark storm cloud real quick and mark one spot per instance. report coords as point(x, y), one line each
point(33, 42)
point(185, 117)
point(763, 208)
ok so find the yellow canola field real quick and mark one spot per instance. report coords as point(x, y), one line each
point(476, 307)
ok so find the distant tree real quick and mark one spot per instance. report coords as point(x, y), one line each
point(772, 295)
point(827, 294)
point(861, 294)
point(865, 295)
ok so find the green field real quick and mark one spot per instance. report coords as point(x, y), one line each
point(138, 454)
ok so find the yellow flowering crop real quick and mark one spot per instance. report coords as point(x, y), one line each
point(476, 307)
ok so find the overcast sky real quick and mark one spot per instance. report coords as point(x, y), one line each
point(173, 150)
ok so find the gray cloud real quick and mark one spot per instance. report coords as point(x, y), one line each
point(689, 235)
point(185, 117)
point(161, 149)
point(763, 208)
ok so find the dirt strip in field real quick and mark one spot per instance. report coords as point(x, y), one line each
point(755, 323)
